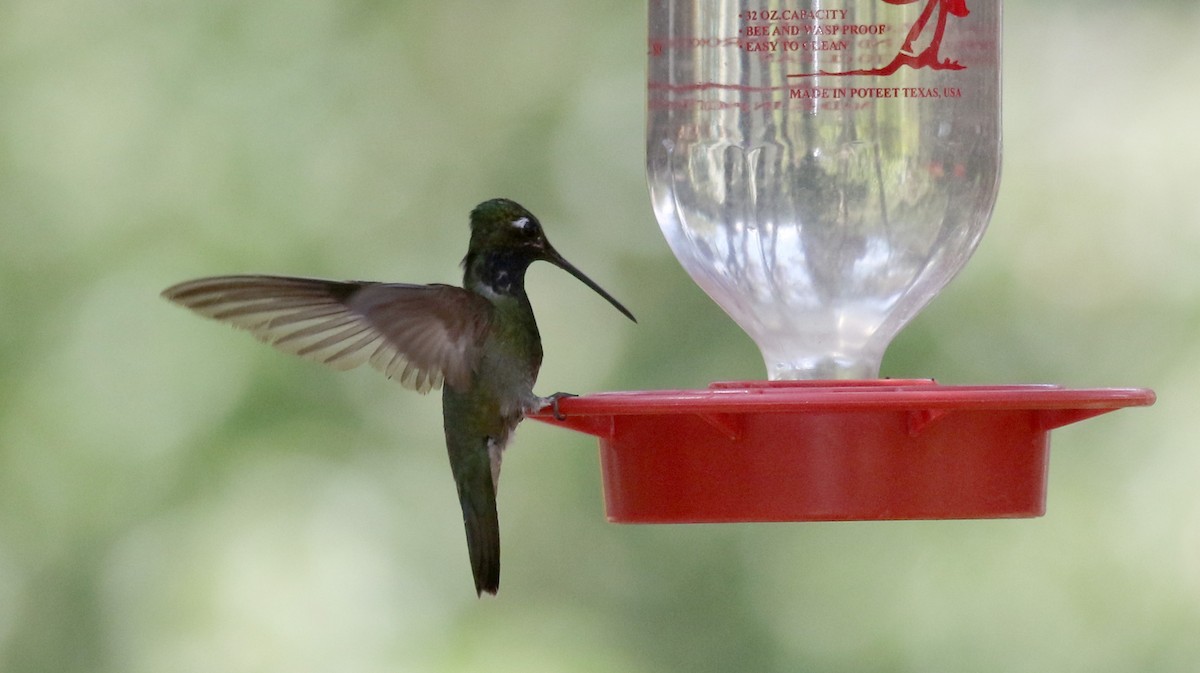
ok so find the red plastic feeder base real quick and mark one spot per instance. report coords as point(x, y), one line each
point(830, 450)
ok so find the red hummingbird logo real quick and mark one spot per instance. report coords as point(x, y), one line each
point(908, 55)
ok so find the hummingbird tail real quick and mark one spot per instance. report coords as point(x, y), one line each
point(483, 541)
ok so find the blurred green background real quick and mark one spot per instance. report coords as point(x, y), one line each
point(176, 497)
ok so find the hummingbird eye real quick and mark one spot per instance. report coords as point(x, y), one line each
point(521, 223)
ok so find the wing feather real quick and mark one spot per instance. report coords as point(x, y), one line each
point(420, 335)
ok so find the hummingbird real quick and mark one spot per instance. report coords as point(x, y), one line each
point(479, 342)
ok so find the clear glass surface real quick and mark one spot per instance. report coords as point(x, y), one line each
point(822, 170)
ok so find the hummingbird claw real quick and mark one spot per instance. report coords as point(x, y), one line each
point(552, 401)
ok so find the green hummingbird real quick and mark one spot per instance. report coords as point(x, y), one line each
point(480, 340)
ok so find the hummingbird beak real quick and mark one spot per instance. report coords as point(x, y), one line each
point(551, 255)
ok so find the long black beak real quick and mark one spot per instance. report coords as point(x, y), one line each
point(551, 255)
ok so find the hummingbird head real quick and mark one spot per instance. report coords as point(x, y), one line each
point(505, 239)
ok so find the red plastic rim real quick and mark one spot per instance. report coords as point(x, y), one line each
point(830, 450)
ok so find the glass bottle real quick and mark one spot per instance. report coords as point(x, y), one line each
point(823, 169)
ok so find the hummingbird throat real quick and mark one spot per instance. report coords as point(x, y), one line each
point(497, 273)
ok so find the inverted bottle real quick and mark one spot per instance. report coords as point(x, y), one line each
point(822, 172)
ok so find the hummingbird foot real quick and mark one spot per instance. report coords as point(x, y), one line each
point(552, 401)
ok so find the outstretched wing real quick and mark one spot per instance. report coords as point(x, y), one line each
point(418, 334)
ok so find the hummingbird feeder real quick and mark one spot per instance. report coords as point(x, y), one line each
point(822, 171)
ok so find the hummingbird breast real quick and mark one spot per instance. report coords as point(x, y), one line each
point(512, 357)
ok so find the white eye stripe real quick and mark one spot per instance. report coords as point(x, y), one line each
point(521, 223)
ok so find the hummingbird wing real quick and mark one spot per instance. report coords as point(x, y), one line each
point(418, 334)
